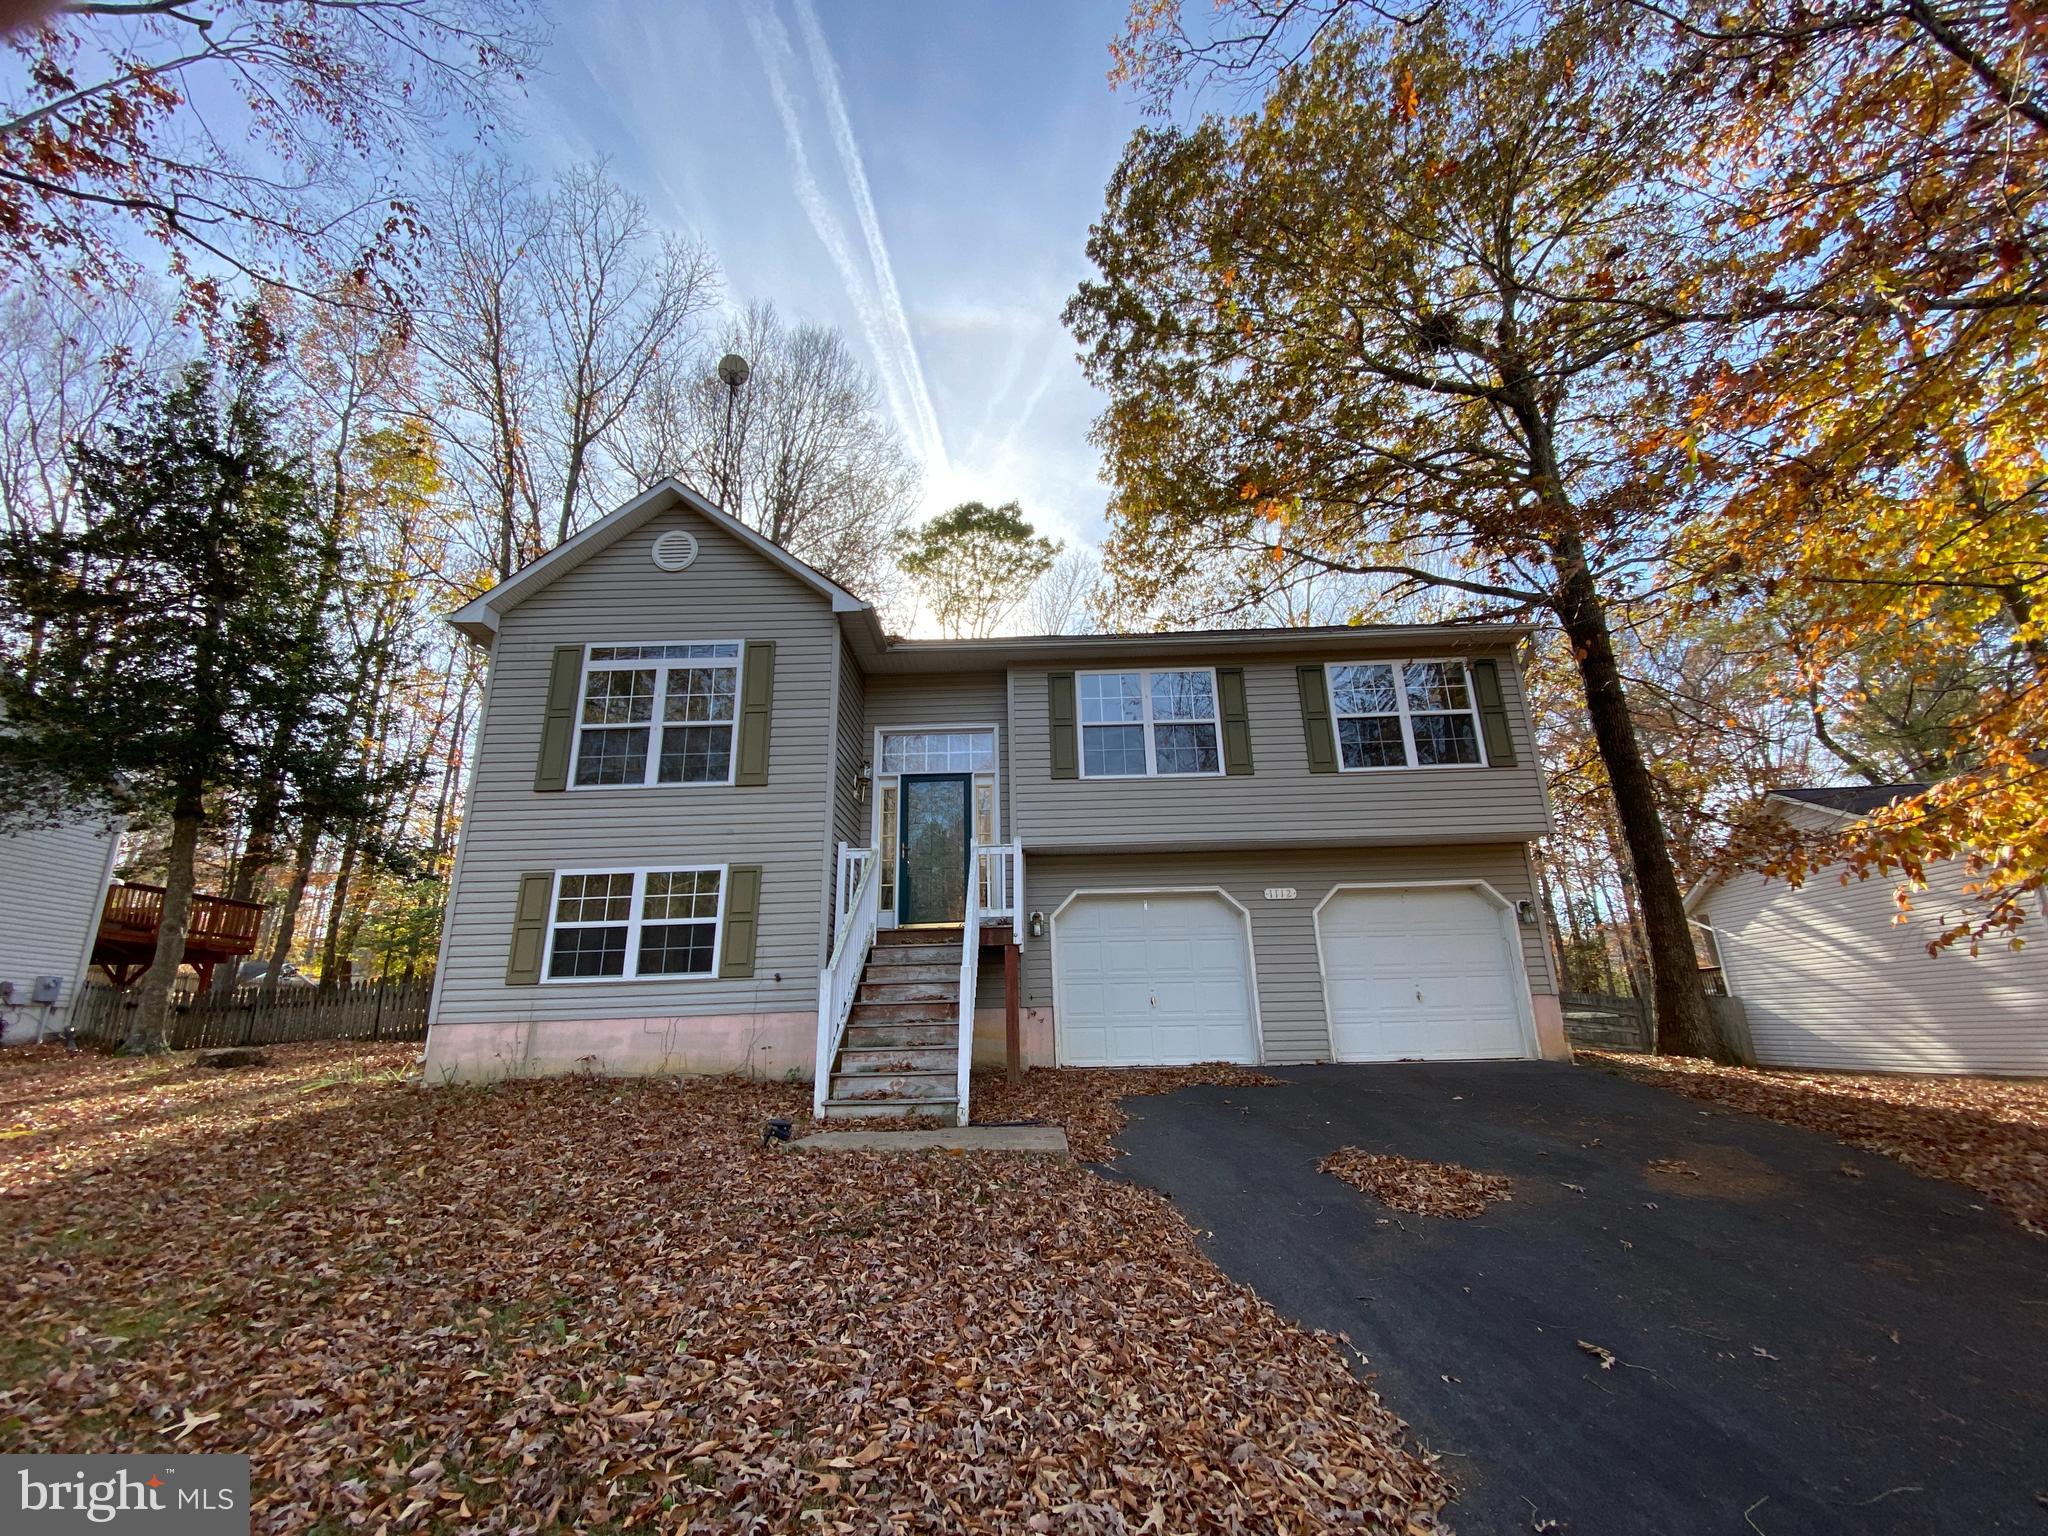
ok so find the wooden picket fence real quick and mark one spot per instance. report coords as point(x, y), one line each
point(370, 1010)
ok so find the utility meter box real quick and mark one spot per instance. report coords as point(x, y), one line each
point(48, 989)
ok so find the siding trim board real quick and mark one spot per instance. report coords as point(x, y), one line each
point(1525, 1006)
point(1251, 948)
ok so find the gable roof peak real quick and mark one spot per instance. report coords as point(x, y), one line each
point(479, 617)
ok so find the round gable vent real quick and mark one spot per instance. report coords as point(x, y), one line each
point(674, 550)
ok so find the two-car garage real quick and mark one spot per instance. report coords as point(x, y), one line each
point(1396, 972)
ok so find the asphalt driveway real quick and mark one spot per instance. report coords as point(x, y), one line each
point(1798, 1348)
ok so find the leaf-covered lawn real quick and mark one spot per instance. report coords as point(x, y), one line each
point(1989, 1134)
point(590, 1305)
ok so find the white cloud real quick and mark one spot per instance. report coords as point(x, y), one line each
point(903, 348)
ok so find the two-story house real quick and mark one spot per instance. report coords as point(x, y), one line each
point(719, 821)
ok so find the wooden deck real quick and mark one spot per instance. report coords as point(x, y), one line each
point(220, 929)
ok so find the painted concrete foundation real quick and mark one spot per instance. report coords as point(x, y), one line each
point(1548, 1010)
point(1034, 1028)
point(762, 1045)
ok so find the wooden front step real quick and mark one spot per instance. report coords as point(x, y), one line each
point(886, 938)
point(866, 1058)
point(944, 973)
point(947, 1110)
point(946, 1011)
point(908, 992)
point(915, 1033)
point(915, 954)
point(893, 1087)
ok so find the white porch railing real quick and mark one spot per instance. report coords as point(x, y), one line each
point(970, 980)
point(839, 982)
point(852, 863)
point(999, 880)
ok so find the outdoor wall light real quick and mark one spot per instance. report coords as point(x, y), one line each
point(864, 781)
point(1038, 925)
point(1525, 912)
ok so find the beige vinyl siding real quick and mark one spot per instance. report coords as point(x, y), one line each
point(1295, 1027)
point(1827, 980)
point(56, 883)
point(1280, 803)
point(945, 698)
point(849, 815)
point(727, 593)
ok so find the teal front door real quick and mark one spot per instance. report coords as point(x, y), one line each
point(932, 843)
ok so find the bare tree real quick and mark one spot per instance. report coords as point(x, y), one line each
point(65, 360)
point(802, 452)
point(1063, 601)
point(478, 328)
point(616, 304)
point(550, 314)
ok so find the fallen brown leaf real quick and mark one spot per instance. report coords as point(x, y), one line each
point(1425, 1189)
point(1987, 1134)
point(468, 1309)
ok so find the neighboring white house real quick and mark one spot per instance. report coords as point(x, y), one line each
point(1829, 979)
point(53, 882)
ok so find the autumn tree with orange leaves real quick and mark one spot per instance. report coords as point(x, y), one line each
point(1406, 320)
point(1853, 394)
point(245, 138)
point(1878, 404)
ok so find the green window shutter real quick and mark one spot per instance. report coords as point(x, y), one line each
point(530, 928)
point(757, 697)
point(742, 920)
point(1237, 724)
point(1493, 714)
point(1315, 719)
point(558, 730)
point(1059, 704)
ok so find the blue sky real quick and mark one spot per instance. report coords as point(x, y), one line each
point(981, 135)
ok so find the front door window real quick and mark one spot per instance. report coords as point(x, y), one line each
point(931, 884)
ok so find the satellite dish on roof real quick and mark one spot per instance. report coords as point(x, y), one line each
point(733, 370)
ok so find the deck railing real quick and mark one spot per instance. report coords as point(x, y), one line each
point(218, 922)
point(851, 864)
point(839, 982)
point(970, 981)
point(999, 880)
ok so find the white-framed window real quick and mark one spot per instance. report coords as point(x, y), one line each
point(628, 924)
point(1404, 714)
point(657, 714)
point(1145, 724)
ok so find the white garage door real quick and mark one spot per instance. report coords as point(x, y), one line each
point(1163, 979)
point(1420, 973)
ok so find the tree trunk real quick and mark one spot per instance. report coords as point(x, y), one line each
point(337, 905)
point(288, 919)
point(146, 1024)
point(1684, 1026)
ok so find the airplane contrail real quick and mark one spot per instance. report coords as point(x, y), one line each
point(904, 349)
point(771, 42)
